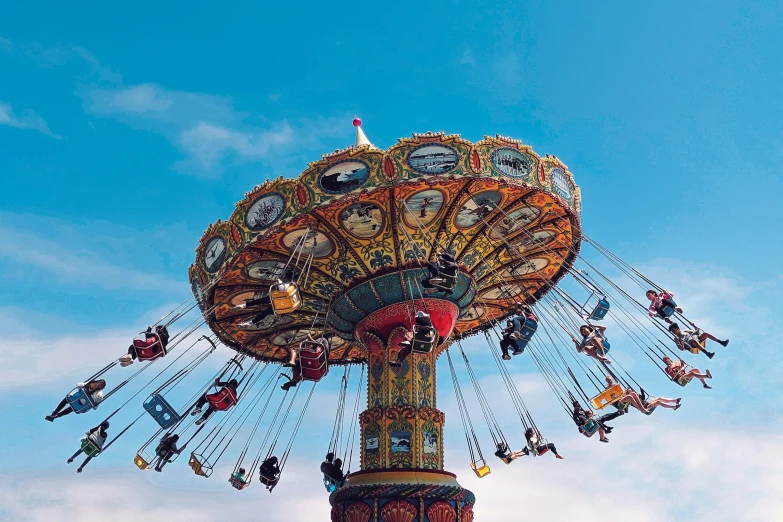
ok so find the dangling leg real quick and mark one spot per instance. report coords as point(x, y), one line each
point(705, 335)
point(56, 413)
point(505, 343)
point(86, 461)
point(74, 456)
point(635, 401)
point(207, 413)
point(199, 404)
point(549, 447)
point(694, 372)
point(434, 273)
point(602, 433)
point(664, 403)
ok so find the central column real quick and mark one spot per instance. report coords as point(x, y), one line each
point(402, 477)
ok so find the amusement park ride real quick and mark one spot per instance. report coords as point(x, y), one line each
point(380, 261)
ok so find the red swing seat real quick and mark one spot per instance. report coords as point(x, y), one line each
point(224, 399)
point(314, 361)
point(149, 348)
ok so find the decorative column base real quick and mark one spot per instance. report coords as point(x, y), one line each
point(402, 496)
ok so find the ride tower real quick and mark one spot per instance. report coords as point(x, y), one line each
point(355, 231)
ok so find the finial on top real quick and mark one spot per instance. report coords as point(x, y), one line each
point(361, 139)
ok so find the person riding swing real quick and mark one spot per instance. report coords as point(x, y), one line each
point(152, 347)
point(223, 399)
point(592, 343)
point(442, 274)
point(91, 444)
point(166, 450)
point(694, 340)
point(662, 304)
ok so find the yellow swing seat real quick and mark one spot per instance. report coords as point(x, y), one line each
point(285, 298)
point(607, 397)
point(141, 462)
point(199, 468)
point(480, 471)
point(696, 349)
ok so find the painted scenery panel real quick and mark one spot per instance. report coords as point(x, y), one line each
point(513, 163)
point(423, 207)
point(363, 220)
point(433, 159)
point(316, 243)
point(477, 208)
point(344, 177)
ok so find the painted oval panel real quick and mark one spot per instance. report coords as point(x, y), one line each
point(562, 184)
point(477, 208)
point(513, 162)
point(514, 221)
point(265, 211)
point(433, 159)
point(343, 177)
point(363, 220)
point(422, 208)
point(316, 242)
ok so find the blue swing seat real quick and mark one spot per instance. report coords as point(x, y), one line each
point(161, 411)
point(600, 310)
point(667, 310)
point(330, 485)
point(589, 429)
point(80, 400)
point(529, 327)
point(238, 480)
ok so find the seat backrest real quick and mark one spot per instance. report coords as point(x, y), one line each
point(223, 399)
point(481, 471)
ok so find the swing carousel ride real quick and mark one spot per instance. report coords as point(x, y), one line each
point(375, 262)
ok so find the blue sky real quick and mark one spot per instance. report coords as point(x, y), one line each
point(125, 131)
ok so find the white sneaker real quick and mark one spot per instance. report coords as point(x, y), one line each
point(200, 421)
point(515, 335)
point(195, 412)
point(436, 280)
point(126, 360)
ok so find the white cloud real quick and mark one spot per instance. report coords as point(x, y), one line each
point(71, 262)
point(209, 143)
point(6, 45)
point(468, 58)
point(205, 127)
point(28, 120)
point(273, 97)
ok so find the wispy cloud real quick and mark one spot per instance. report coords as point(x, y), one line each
point(467, 57)
point(6, 45)
point(27, 120)
point(98, 254)
point(205, 127)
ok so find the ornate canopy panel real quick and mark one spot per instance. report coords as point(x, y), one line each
point(372, 220)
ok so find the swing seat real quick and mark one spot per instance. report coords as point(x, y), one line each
point(199, 467)
point(651, 410)
point(449, 276)
point(330, 486)
point(148, 348)
point(480, 471)
point(600, 310)
point(667, 310)
point(696, 349)
point(269, 480)
point(142, 460)
point(223, 399)
point(313, 361)
point(238, 480)
point(89, 448)
point(589, 429)
point(607, 397)
point(80, 400)
point(683, 381)
point(285, 298)
point(161, 411)
point(423, 339)
point(529, 327)
point(606, 345)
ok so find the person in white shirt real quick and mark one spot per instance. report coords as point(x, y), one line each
point(93, 388)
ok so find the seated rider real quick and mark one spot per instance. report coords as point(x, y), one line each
point(259, 300)
point(507, 342)
point(582, 417)
point(240, 475)
point(166, 449)
point(678, 373)
point(629, 396)
point(534, 445)
point(269, 472)
point(97, 436)
point(444, 261)
point(685, 340)
point(233, 384)
point(505, 454)
point(327, 464)
point(659, 301)
point(93, 388)
point(311, 343)
point(160, 335)
point(423, 320)
point(524, 313)
point(592, 342)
